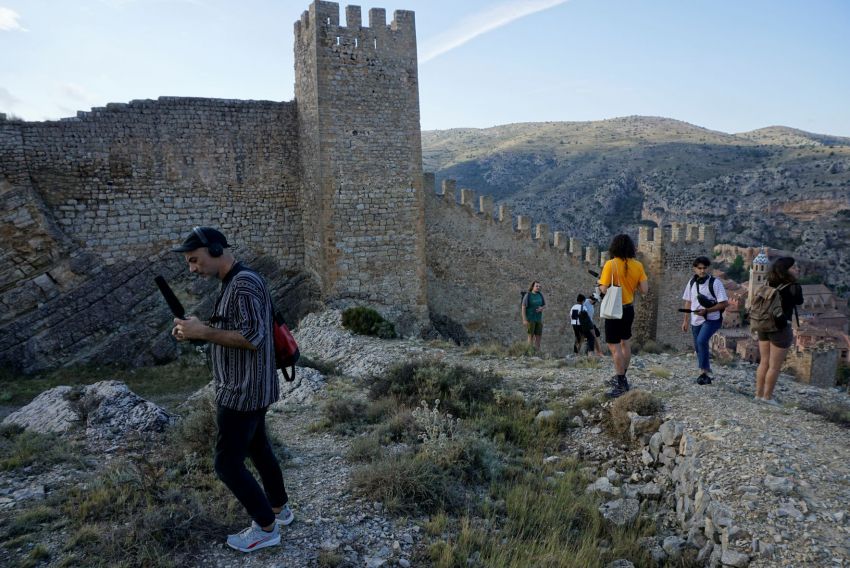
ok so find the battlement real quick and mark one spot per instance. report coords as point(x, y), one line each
point(703, 235)
point(321, 22)
point(520, 226)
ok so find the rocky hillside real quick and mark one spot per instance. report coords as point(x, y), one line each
point(725, 480)
point(777, 186)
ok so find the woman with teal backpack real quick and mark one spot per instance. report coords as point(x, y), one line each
point(532, 313)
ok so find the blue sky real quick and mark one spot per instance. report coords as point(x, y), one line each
point(726, 65)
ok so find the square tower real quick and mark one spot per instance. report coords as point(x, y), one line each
point(357, 93)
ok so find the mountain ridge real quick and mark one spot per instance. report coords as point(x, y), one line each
point(775, 186)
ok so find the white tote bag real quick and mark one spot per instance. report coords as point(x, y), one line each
point(612, 303)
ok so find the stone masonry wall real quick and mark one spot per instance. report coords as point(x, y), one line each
point(479, 264)
point(128, 179)
point(358, 100)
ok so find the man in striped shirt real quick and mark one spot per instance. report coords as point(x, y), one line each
point(243, 367)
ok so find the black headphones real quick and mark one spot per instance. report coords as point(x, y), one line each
point(215, 249)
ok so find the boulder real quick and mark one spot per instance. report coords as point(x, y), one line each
point(621, 512)
point(603, 486)
point(734, 558)
point(671, 432)
point(103, 410)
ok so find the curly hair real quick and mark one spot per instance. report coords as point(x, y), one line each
point(779, 271)
point(622, 246)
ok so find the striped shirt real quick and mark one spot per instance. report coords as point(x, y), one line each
point(244, 379)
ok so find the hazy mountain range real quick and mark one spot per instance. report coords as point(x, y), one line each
point(776, 186)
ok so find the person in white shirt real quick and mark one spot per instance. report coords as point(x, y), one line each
point(589, 304)
point(582, 325)
point(706, 299)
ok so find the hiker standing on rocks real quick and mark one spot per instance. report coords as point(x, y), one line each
point(625, 271)
point(706, 297)
point(532, 313)
point(243, 365)
point(773, 346)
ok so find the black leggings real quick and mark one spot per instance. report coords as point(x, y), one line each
point(241, 435)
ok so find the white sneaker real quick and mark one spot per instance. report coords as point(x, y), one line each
point(254, 538)
point(770, 401)
point(758, 399)
point(285, 517)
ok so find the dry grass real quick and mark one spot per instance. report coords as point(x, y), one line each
point(638, 401)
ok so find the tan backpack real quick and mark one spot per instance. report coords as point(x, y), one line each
point(766, 309)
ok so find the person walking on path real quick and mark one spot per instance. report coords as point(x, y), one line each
point(241, 353)
point(582, 326)
point(625, 271)
point(590, 307)
point(533, 304)
point(773, 346)
point(706, 297)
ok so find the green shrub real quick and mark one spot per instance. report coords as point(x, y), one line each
point(428, 481)
point(366, 321)
point(457, 388)
point(400, 427)
point(365, 449)
point(381, 409)
point(408, 484)
point(343, 415)
point(551, 523)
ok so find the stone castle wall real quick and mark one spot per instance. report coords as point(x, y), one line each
point(480, 260)
point(128, 179)
point(358, 99)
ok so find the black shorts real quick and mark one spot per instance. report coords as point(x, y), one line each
point(783, 338)
point(621, 329)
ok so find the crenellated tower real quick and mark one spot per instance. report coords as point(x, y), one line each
point(667, 254)
point(357, 93)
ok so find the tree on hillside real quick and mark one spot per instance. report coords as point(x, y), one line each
point(736, 270)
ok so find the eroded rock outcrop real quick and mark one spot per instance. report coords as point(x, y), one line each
point(103, 410)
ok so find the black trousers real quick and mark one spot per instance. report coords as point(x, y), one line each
point(241, 435)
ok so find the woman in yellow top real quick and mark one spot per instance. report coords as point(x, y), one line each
point(627, 273)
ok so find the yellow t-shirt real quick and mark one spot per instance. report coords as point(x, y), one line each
point(628, 280)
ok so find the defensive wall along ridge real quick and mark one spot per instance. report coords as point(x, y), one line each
point(325, 191)
point(496, 256)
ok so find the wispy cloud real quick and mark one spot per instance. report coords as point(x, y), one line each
point(76, 93)
point(7, 99)
point(482, 22)
point(9, 21)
